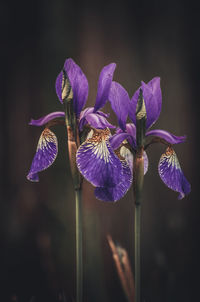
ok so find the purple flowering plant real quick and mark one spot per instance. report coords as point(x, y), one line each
point(47, 148)
point(109, 162)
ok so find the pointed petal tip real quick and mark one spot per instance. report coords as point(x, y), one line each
point(33, 177)
point(167, 136)
point(104, 84)
point(47, 118)
point(120, 103)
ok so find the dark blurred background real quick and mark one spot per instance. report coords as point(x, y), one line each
point(37, 220)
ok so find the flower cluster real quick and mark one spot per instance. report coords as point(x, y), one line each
point(106, 160)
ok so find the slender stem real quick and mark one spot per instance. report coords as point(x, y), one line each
point(79, 254)
point(73, 144)
point(137, 251)
point(138, 185)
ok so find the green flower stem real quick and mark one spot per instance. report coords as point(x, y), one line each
point(79, 252)
point(138, 185)
point(73, 144)
point(139, 175)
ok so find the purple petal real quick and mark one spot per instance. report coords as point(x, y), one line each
point(120, 103)
point(117, 192)
point(46, 153)
point(131, 130)
point(171, 174)
point(97, 121)
point(78, 82)
point(103, 114)
point(45, 119)
point(82, 119)
point(91, 110)
point(153, 101)
point(117, 139)
point(105, 80)
point(167, 136)
point(86, 111)
point(97, 161)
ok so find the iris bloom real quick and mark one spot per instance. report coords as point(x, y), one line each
point(169, 168)
point(47, 147)
point(107, 161)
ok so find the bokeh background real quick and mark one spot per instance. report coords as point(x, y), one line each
point(37, 220)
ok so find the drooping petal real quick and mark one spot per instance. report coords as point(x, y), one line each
point(171, 174)
point(47, 118)
point(78, 82)
point(97, 161)
point(105, 80)
point(46, 152)
point(117, 192)
point(120, 103)
point(153, 101)
point(167, 136)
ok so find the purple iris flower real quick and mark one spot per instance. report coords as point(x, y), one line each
point(169, 168)
point(47, 148)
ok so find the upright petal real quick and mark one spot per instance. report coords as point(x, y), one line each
point(97, 161)
point(153, 101)
point(46, 152)
point(105, 80)
point(78, 82)
point(171, 174)
point(167, 136)
point(120, 103)
point(47, 118)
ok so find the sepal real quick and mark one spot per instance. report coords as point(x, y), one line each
point(116, 192)
point(171, 174)
point(97, 161)
point(46, 153)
